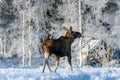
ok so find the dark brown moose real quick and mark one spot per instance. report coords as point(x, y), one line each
point(59, 47)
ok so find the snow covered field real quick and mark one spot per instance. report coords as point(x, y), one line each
point(33, 73)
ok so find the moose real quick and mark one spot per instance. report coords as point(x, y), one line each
point(59, 47)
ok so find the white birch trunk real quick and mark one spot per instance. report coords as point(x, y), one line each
point(23, 40)
point(29, 37)
point(80, 29)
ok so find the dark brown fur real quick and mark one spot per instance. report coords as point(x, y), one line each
point(59, 47)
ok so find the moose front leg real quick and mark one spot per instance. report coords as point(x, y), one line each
point(57, 63)
point(69, 61)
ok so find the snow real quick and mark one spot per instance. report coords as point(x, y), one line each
point(33, 73)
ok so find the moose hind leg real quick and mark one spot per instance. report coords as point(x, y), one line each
point(46, 55)
point(48, 66)
point(44, 64)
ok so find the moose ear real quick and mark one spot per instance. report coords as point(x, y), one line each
point(70, 28)
point(66, 29)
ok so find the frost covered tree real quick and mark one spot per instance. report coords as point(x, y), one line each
point(9, 14)
point(26, 23)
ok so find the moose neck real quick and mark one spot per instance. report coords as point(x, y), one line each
point(70, 40)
